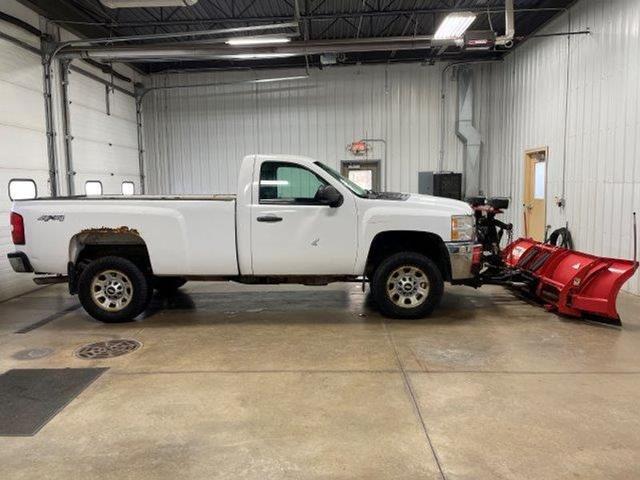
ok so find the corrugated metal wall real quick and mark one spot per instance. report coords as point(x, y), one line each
point(105, 146)
point(23, 140)
point(598, 124)
point(196, 137)
point(580, 95)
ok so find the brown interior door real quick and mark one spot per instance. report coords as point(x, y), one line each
point(535, 191)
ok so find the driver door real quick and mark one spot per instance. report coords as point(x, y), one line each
point(291, 232)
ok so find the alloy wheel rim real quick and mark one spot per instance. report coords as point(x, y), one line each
point(407, 287)
point(111, 290)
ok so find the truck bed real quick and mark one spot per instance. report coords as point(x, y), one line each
point(184, 235)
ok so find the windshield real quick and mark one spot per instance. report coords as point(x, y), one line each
point(358, 190)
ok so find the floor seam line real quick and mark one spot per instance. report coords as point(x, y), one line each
point(421, 372)
point(414, 401)
point(48, 319)
point(178, 372)
point(507, 372)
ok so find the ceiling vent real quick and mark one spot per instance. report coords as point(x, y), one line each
point(147, 3)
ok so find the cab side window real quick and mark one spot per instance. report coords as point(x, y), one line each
point(288, 183)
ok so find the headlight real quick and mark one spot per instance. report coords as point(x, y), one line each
point(462, 228)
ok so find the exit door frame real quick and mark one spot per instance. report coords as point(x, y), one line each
point(527, 154)
point(367, 164)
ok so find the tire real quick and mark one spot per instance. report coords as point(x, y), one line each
point(149, 298)
point(113, 290)
point(168, 285)
point(398, 287)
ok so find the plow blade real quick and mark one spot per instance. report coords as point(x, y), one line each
point(570, 282)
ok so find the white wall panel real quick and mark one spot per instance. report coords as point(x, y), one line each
point(97, 126)
point(196, 137)
point(105, 141)
point(23, 152)
point(21, 106)
point(18, 67)
point(598, 123)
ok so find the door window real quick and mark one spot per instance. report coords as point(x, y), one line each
point(128, 188)
point(287, 183)
point(364, 173)
point(539, 180)
point(22, 189)
point(93, 187)
point(362, 178)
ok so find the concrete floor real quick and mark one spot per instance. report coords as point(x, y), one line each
point(295, 382)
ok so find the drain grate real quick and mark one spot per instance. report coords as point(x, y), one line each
point(108, 349)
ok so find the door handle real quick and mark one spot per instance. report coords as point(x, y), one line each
point(269, 219)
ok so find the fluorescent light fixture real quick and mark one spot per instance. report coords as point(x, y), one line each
point(279, 79)
point(257, 40)
point(454, 25)
point(257, 56)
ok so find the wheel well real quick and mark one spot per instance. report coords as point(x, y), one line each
point(92, 244)
point(431, 245)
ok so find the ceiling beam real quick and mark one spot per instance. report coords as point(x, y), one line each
point(316, 17)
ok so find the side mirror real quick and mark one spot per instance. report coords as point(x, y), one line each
point(328, 195)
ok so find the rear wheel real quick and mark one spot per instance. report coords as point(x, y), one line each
point(407, 285)
point(113, 289)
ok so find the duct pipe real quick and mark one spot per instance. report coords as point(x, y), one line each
point(443, 103)
point(467, 133)
point(187, 51)
point(195, 33)
point(509, 26)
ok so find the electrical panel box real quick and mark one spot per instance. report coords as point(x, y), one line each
point(440, 184)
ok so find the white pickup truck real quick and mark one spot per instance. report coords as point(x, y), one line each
point(293, 220)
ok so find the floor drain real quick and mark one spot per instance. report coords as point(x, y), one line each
point(108, 349)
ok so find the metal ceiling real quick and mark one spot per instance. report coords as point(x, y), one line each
point(318, 20)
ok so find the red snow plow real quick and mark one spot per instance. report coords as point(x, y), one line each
point(569, 282)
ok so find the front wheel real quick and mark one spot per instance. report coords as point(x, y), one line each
point(407, 285)
point(113, 289)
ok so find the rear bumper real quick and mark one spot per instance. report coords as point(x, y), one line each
point(19, 262)
point(464, 262)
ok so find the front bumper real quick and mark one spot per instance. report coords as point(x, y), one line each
point(19, 262)
point(464, 258)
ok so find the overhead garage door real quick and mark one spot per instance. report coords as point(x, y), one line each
point(105, 137)
point(23, 145)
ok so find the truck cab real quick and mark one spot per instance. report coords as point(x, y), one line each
point(293, 220)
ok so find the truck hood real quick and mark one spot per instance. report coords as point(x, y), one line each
point(456, 207)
